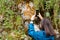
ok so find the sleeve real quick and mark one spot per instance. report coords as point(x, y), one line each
point(33, 33)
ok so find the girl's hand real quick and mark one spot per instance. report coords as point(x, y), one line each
point(33, 17)
point(40, 16)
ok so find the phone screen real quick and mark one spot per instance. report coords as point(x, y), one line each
point(37, 12)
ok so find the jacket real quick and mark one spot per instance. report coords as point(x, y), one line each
point(38, 35)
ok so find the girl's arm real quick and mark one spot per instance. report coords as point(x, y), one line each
point(33, 33)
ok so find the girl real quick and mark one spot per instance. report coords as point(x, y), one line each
point(46, 31)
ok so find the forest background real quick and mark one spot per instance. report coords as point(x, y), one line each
point(11, 21)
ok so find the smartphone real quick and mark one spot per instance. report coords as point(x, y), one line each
point(37, 12)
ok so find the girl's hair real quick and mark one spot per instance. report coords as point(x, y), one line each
point(37, 20)
point(47, 26)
